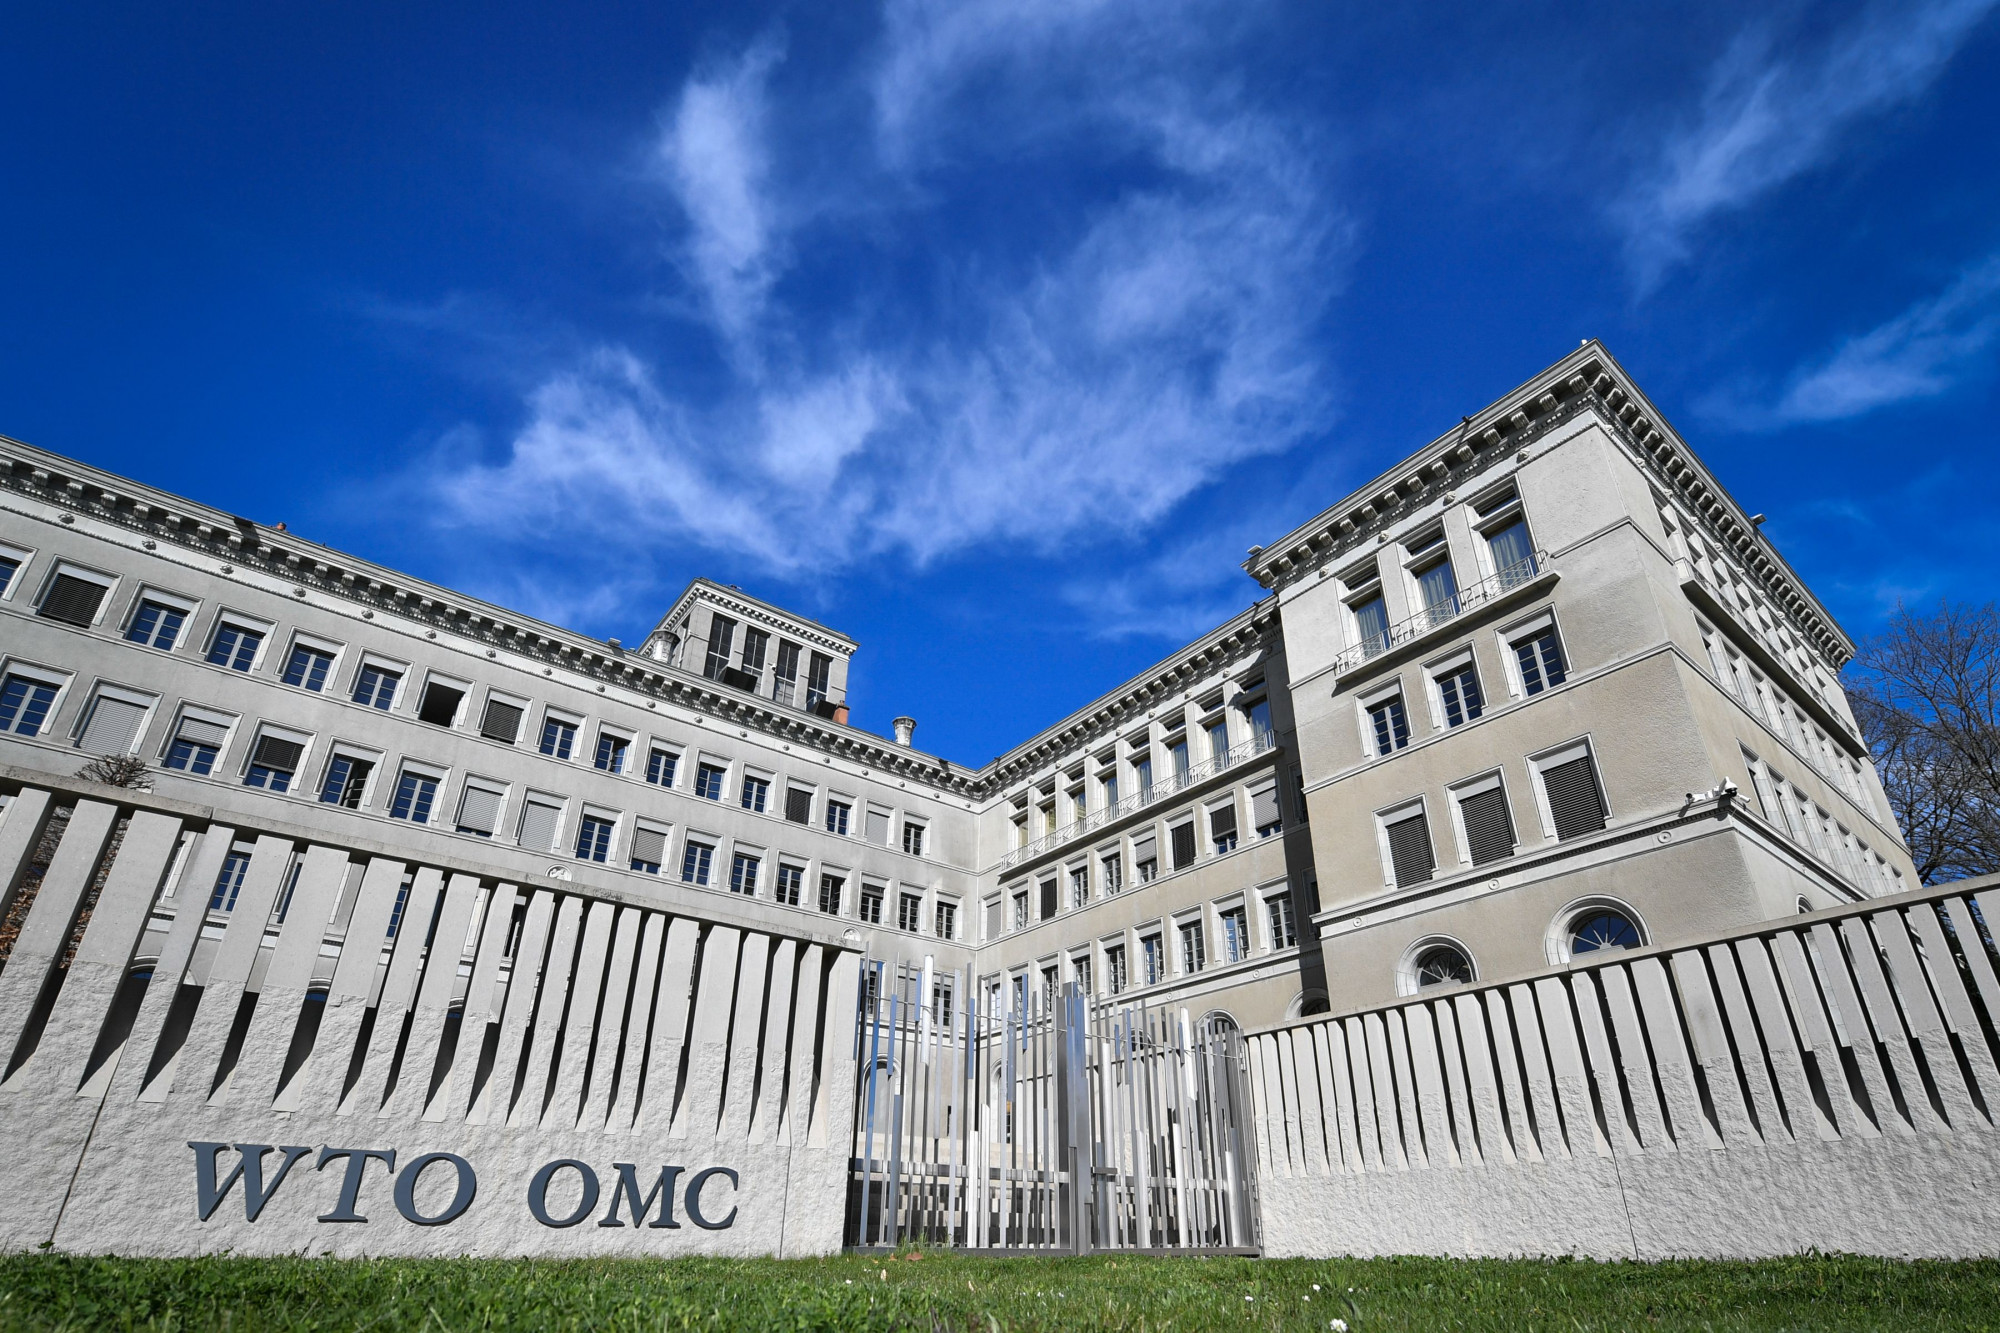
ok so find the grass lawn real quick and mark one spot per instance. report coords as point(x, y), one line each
point(940, 1291)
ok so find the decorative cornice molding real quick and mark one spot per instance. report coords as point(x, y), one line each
point(750, 608)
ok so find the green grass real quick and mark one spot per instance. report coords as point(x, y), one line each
point(939, 1291)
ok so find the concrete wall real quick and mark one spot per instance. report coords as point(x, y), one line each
point(1829, 1081)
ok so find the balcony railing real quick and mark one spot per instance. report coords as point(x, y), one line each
point(1442, 613)
point(1161, 790)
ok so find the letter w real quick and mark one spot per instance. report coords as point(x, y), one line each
point(627, 1191)
point(249, 1166)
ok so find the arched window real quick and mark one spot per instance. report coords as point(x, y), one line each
point(1602, 928)
point(1216, 1022)
point(1443, 965)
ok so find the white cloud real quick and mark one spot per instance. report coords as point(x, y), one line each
point(1920, 353)
point(1766, 118)
point(1073, 385)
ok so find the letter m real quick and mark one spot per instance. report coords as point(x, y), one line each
point(626, 1191)
point(249, 1166)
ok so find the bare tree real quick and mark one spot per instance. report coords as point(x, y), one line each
point(117, 770)
point(1927, 695)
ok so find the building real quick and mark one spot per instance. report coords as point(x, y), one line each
point(1541, 689)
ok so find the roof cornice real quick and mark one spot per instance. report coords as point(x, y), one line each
point(1587, 380)
point(759, 610)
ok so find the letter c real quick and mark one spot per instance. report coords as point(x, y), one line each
point(406, 1189)
point(693, 1200)
point(538, 1190)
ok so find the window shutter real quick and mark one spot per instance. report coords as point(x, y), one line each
point(1264, 807)
point(1222, 821)
point(276, 752)
point(798, 805)
point(878, 827)
point(113, 725)
point(1145, 849)
point(1048, 899)
point(1410, 850)
point(201, 731)
point(1489, 834)
point(1183, 837)
point(649, 844)
point(73, 601)
point(501, 723)
point(538, 825)
point(1573, 800)
point(993, 919)
point(479, 809)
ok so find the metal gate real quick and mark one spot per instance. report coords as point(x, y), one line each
point(1044, 1122)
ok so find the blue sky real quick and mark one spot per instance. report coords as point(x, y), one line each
point(990, 333)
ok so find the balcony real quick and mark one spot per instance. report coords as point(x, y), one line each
point(1161, 790)
point(1508, 581)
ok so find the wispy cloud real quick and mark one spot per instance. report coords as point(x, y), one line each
point(1767, 117)
point(1074, 382)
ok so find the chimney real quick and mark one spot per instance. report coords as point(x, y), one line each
point(840, 714)
point(905, 728)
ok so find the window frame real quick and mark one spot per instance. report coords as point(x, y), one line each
point(459, 710)
point(1508, 639)
point(1454, 665)
point(1406, 966)
point(82, 573)
point(226, 618)
point(1493, 779)
point(387, 666)
point(23, 558)
point(278, 732)
point(188, 608)
point(1555, 756)
point(423, 772)
point(337, 751)
point(148, 704)
point(1413, 807)
point(213, 717)
point(302, 641)
point(1556, 941)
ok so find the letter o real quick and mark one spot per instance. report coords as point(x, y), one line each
point(538, 1190)
point(406, 1189)
point(693, 1199)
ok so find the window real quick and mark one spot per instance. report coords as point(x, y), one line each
point(878, 827)
point(1371, 625)
point(1437, 589)
point(1177, 752)
point(1284, 924)
point(25, 704)
point(756, 643)
point(229, 882)
point(1541, 661)
point(1259, 713)
point(1410, 858)
point(1602, 928)
point(1110, 870)
point(1046, 890)
point(721, 634)
point(1182, 837)
point(415, 794)
point(696, 859)
point(501, 721)
point(649, 849)
point(1576, 807)
point(1145, 859)
point(611, 752)
point(1152, 961)
point(156, 625)
point(1458, 691)
point(909, 912)
point(743, 873)
point(1114, 968)
point(593, 838)
point(1218, 739)
point(346, 780)
point(1513, 554)
point(113, 725)
point(944, 920)
point(1222, 828)
point(479, 809)
point(1489, 829)
point(196, 744)
point(73, 601)
point(1021, 910)
point(1235, 923)
point(1079, 967)
point(941, 998)
point(871, 904)
point(708, 780)
point(829, 893)
point(818, 674)
point(790, 886)
point(9, 567)
point(1107, 787)
point(799, 804)
point(539, 820)
point(1079, 886)
point(1194, 955)
point(402, 905)
point(756, 791)
point(1142, 775)
point(785, 676)
point(660, 766)
point(1264, 814)
point(913, 838)
point(440, 703)
point(273, 763)
point(308, 668)
point(1442, 965)
point(1391, 725)
point(235, 646)
point(558, 737)
point(836, 817)
point(376, 686)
